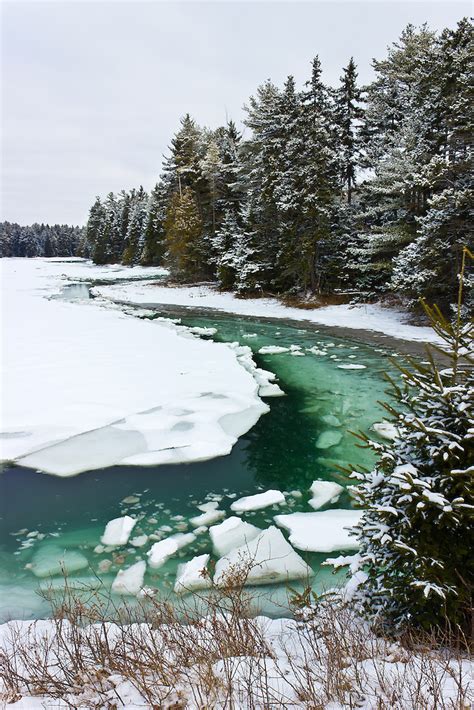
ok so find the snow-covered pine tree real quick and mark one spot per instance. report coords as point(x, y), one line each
point(183, 229)
point(261, 156)
point(429, 265)
point(136, 228)
point(95, 242)
point(417, 530)
point(155, 245)
point(398, 143)
point(348, 117)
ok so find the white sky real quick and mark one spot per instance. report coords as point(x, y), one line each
point(93, 91)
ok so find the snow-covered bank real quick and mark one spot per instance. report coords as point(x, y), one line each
point(367, 316)
point(332, 661)
point(86, 387)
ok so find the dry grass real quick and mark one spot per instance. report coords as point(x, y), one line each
point(211, 654)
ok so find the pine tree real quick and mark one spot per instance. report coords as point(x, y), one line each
point(183, 229)
point(348, 118)
point(429, 265)
point(417, 530)
point(136, 228)
point(95, 235)
point(155, 244)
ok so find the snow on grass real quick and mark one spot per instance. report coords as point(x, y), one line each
point(85, 387)
point(324, 531)
point(257, 501)
point(267, 559)
point(362, 316)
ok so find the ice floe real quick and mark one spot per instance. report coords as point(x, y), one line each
point(232, 533)
point(117, 407)
point(386, 430)
point(161, 551)
point(267, 559)
point(257, 501)
point(329, 438)
point(324, 492)
point(117, 531)
point(207, 518)
point(352, 366)
point(324, 531)
point(193, 575)
point(51, 560)
point(130, 580)
point(273, 350)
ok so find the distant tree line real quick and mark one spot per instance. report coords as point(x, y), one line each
point(39, 240)
point(349, 188)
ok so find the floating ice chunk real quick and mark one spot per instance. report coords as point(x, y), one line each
point(331, 420)
point(249, 335)
point(192, 575)
point(207, 518)
point(197, 330)
point(210, 505)
point(273, 350)
point(267, 559)
point(324, 492)
point(328, 439)
point(257, 501)
point(117, 531)
point(131, 499)
point(51, 561)
point(386, 430)
point(316, 351)
point(324, 531)
point(161, 551)
point(139, 541)
point(232, 533)
point(270, 389)
point(105, 565)
point(295, 348)
point(130, 581)
point(352, 366)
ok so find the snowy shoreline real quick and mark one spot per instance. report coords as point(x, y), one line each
point(86, 386)
point(366, 317)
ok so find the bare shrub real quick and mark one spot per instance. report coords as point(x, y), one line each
point(207, 651)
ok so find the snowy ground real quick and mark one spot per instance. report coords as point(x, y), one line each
point(360, 317)
point(85, 386)
point(332, 662)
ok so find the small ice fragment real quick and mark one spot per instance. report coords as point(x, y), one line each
point(212, 516)
point(386, 430)
point(328, 439)
point(131, 499)
point(117, 531)
point(352, 366)
point(258, 501)
point(193, 575)
point(273, 350)
point(324, 492)
point(139, 541)
point(206, 507)
point(130, 581)
point(232, 533)
point(105, 565)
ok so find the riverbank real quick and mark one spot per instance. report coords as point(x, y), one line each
point(369, 323)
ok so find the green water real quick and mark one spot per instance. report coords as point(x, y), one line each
point(281, 452)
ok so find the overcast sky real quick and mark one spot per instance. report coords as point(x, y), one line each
point(93, 91)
